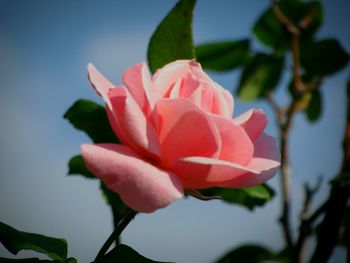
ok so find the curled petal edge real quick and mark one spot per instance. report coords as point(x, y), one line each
point(142, 186)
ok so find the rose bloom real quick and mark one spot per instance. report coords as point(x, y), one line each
point(178, 133)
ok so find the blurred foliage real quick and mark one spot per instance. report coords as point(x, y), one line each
point(252, 253)
point(323, 57)
point(314, 109)
point(124, 253)
point(259, 76)
point(344, 235)
point(91, 118)
point(224, 55)
point(248, 197)
point(308, 16)
point(15, 241)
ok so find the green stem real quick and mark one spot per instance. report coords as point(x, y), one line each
point(115, 235)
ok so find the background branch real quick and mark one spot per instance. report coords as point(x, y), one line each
point(305, 228)
point(329, 230)
point(285, 124)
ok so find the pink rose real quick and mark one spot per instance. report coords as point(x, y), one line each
point(178, 133)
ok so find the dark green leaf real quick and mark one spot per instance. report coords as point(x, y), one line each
point(225, 55)
point(124, 253)
point(314, 109)
point(348, 99)
point(91, 118)
point(172, 39)
point(119, 209)
point(77, 167)
point(24, 260)
point(251, 253)
point(311, 18)
point(15, 241)
point(34, 260)
point(269, 31)
point(260, 75)
point(323, 57)
point(344, 235)
point(248, 197)
point(307, 16)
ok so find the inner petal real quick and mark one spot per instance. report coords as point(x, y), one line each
point(185, 130)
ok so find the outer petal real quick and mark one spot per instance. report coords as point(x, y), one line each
point(141, 185)
point(131, 125)
point(201, 172)
point(236, 145)
point(185, 130)
point(101, 85)
point(253, 122)
point(137, 79)
point(265, 162)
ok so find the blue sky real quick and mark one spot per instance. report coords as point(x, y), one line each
point(44, 49)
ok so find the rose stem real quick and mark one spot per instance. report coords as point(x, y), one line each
point(115, 234)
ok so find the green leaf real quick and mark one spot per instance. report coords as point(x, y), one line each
point(34, 260)
point(348, 100)
point(172, 39)
point(77, 167)
point(249, 197)
point(269, 31)
point(119, 209)
point(24, 260)
point(311, 18)
point(260, 75)
point(15, 240)
point(124, 253)
point(314, 109)
point(307, 16)
point(225, 55)
point(323, 57)
point(344, 234)
point(91, 118)
point(251, 253)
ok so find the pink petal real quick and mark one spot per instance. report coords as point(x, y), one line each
point(236, 145)
point(142, 186)
point(137, 79)
point(253, 122)
point(175, 90)
point(207, 100)
point(202, 172)
point(191, 89)
point(229, 100)
point(184, 130)
point(101, 85)
point(217, 103)
point(265, 162)
point(170, 73)
point(131, 125)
